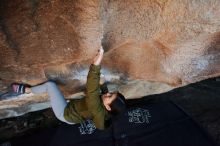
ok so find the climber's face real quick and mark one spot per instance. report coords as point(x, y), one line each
point(108, 98)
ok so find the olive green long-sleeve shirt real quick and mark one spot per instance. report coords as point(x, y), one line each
point(90, 107)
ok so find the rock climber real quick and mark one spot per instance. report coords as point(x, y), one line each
point(101, 102)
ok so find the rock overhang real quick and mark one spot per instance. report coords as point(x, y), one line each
point(150, 46)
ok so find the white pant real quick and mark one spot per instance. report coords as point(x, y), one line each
point(57, 100)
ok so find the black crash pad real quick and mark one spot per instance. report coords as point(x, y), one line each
point(144, 124)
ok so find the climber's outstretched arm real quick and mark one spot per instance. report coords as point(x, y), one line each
point(93, 99)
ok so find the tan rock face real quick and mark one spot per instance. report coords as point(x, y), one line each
point(153, 45)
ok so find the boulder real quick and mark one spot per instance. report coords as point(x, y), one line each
point(150, 47)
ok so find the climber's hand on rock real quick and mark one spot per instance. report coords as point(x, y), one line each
point(98, 58)
point(101, 50)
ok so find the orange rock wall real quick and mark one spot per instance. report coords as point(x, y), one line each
point(165, 41)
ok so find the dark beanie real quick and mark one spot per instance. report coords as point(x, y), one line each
point(109, 87)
